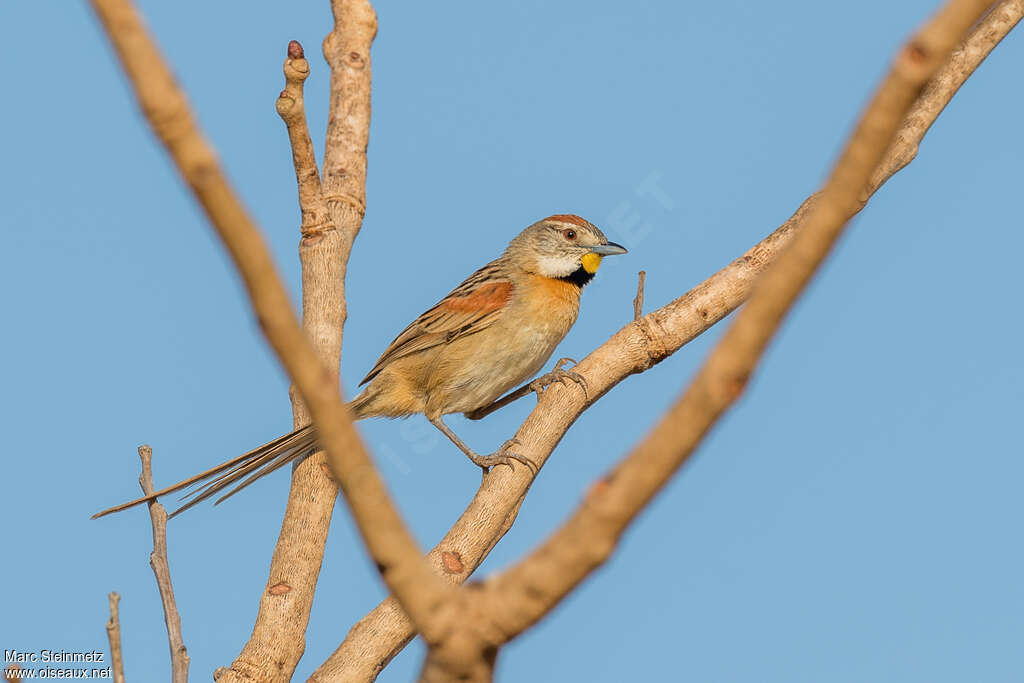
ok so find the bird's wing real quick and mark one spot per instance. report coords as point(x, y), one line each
point(472, 306)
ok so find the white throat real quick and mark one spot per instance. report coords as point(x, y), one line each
point(558, 266)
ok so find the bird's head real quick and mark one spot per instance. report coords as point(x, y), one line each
point(563, 246)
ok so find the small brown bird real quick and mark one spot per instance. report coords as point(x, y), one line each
point(492, 332)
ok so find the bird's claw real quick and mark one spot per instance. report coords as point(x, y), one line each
point(503, 456)
point(559, 375)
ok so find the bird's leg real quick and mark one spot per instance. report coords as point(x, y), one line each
point(503, 456)
point(559, 375)
point(537, 386)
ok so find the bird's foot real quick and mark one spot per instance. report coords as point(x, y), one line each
point(503, 456)
point(559, 375)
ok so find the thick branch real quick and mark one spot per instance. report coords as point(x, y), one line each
point(331, 219)
point(162, 570)
point(382, 633)
point(388, 541)
point(520, 596)
point(347, 51)
point(114, 636)
point(329, 227)
point(278, 636)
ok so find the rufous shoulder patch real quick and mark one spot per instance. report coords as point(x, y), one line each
point(484, 299)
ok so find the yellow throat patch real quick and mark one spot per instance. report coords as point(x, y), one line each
point(590, 262)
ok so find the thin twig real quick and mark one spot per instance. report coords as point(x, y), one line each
point(376, 638)
point(520, 596)
point(638, 302)
point(114, 636)
point(292, 109)
point(387, 538)
point(162, 571)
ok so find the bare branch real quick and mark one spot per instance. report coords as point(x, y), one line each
point(382, 633)
point(162, 571)
point(347, 51)
point(114, 636)
point(328, 231)
point(330, 222)
point(638, 302)
point(278, 637)
point(984, 37)
point(524, 593)
point(292, 109)
point(437, 668)
point(388, 540)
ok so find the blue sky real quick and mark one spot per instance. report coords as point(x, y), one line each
point(856, 517)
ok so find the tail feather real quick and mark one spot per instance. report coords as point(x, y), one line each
point(256, 463)
point(291, 447)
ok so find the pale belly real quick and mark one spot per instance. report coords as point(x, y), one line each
point(511, 357)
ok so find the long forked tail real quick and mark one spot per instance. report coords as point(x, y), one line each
point(251, 466)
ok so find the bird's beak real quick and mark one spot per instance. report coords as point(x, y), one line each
point(610, 249)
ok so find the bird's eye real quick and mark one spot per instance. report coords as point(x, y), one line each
point(569, 234)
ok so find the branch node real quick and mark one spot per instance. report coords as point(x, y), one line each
point(280, 588)
point(296, 68)
point(655, 349)
point(351, 200)
point(355, 60)
point(311, 234)
point(916, 52)
point(452, 562)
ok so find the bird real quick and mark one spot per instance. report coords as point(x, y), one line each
point(494, 331)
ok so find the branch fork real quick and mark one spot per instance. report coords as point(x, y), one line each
point(466, 627)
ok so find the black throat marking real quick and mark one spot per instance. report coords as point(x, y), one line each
point(578, 277)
